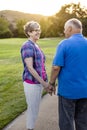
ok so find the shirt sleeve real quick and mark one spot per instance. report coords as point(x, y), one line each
point(27, 51)
point(59, 55)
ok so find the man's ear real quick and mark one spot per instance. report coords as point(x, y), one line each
point(70, 28)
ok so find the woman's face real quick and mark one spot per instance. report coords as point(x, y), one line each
point(35, 34)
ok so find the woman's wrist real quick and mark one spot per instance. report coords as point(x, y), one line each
point(44, 84)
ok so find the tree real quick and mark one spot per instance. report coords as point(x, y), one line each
point(66, 12)
point(20, 30)
point(5, 32)
point(77, 10)
point(45, 23)
point(43, 27)
point(84, 23)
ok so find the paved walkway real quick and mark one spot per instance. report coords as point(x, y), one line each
point(47, 118)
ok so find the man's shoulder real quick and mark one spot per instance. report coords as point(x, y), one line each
point(85, 38)
point(63, 42)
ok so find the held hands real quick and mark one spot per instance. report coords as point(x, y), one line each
point(51, 88)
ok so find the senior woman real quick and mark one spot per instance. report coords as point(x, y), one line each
point(34, 74)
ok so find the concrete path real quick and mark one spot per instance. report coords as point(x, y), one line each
point(47, 118)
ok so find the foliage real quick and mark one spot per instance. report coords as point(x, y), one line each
point(20, 24)
point(16, 19)
point(66, 12)
point(54, 26)
point(84, 22)
point(43, 24)
point(4, 29)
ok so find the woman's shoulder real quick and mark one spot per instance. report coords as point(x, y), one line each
point(27, 44)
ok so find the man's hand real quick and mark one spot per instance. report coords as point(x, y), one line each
point(52, 89)
point(49, 90)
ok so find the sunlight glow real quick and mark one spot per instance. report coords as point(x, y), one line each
point(44, 7)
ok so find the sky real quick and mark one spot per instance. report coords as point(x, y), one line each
point(43, 7)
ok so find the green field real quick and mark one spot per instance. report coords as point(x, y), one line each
point(12, 99)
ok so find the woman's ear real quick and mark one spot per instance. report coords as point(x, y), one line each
point(29, 33)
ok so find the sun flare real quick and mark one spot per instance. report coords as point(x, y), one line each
point(43, 7)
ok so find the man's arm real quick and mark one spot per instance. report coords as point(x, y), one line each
point(54, 73)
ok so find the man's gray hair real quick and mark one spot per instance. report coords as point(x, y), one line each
point(74, 22)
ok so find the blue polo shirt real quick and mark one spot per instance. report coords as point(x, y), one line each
point(71, 55)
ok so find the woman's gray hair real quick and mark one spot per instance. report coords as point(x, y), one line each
point(30, 26)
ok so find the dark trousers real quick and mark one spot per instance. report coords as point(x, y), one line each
point(72, 114)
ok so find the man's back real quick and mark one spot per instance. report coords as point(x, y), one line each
point(73, 75)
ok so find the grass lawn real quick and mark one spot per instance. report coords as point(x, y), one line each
point(12, 99)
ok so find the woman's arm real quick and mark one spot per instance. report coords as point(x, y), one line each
point(29, 63)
